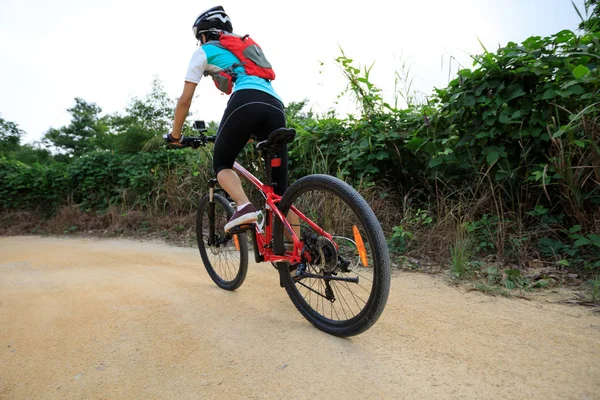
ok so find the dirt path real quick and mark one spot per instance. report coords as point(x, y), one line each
point(104, 319)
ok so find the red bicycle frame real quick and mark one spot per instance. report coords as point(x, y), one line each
point(264, 241)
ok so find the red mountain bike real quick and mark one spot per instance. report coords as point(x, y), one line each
point(321, 236)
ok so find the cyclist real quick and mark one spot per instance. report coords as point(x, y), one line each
point(254, 108)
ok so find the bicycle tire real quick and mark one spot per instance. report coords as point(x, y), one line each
point(380, 255)
point(238, 274)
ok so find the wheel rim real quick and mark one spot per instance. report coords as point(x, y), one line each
point(334, 302)
point(224, 258)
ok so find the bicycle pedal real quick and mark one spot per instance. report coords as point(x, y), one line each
point(241, 228)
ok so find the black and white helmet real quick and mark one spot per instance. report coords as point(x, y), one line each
point(212, 20)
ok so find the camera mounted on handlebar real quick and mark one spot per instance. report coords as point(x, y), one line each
point(200, 126)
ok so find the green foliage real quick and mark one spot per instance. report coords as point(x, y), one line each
point(156, 181)
point(460, 252)
point(591, 22)
point(10, 137)
point(85, 132)
point(367, 94)
point(514, 279)
point(571, 246)
point(502, 116)
point(32, 187)
point(12, 149)
point(483, 233)
point(31, 154)
point(493, 275)
point(595, 288)
point(512, 146)
point(127, 133)
point(399, 240)
point(143, 120)
point(520, 127)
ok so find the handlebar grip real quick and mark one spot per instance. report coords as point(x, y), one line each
point(187, 141)
point(193, 141)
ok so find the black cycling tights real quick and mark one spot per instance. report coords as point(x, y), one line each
point(249, 113)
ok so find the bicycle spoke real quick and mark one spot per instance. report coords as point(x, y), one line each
point(344, 251)
point(353, 295)
point(362, 287)
point(337, 219)
point(361, 276)
point(344, 299)
point(224, 261)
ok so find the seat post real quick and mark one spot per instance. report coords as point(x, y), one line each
point(268, 155)
point(273, 149)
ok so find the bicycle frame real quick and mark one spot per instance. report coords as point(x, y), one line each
point(264, 241)
point(312, 256)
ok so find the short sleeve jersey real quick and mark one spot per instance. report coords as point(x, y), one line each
point(210, 58)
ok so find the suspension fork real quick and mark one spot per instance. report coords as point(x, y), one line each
point(211, 212)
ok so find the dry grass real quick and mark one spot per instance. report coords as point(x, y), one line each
point(71, 220)
point(19, 222)
point(387, 205)
point(510, 238)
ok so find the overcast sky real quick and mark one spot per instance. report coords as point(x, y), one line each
point(107, 51)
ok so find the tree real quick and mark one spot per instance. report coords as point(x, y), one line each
point(86, 132)
point(12, 149)
point(144, 119)
point(31, 154)
point(294, 111)
point(10, 137)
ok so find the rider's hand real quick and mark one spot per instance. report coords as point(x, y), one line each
point(169, 139)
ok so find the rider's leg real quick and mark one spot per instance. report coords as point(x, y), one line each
point(230, 181)
point(231, 139)
point(247, 111)
point(245, 213)
point(295, 222)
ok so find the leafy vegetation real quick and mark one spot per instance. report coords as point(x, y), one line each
point(502, 164)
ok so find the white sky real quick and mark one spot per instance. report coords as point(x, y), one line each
point(106, 51)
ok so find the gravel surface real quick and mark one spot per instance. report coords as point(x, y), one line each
point(124, 319)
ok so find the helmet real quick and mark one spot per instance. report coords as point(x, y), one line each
point(211, 20)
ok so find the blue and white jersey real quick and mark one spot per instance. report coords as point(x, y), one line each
point(210, 59)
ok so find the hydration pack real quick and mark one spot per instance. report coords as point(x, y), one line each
point(251, 58)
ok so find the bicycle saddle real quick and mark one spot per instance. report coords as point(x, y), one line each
point(277, 138)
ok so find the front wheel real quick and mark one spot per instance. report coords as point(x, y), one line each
point(225, 256)
point(343, 282)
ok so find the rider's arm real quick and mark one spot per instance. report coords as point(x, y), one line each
point(192, 77)
point(183, 107)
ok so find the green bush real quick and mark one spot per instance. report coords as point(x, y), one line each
point(155, 181)
point(511, 146)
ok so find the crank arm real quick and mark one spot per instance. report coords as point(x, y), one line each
point(224, 240)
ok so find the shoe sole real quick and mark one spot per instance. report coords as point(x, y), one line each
point(242, 220)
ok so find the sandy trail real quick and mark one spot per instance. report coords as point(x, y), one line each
point(100, 319)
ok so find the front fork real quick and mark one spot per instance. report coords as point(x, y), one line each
point(211, 212)
point(211, 226)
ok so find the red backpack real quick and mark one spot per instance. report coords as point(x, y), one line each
point(251, 58)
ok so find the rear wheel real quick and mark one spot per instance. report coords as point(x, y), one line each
point(226, 258)
point(343, 282)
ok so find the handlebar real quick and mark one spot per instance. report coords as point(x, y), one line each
point(196, 141)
